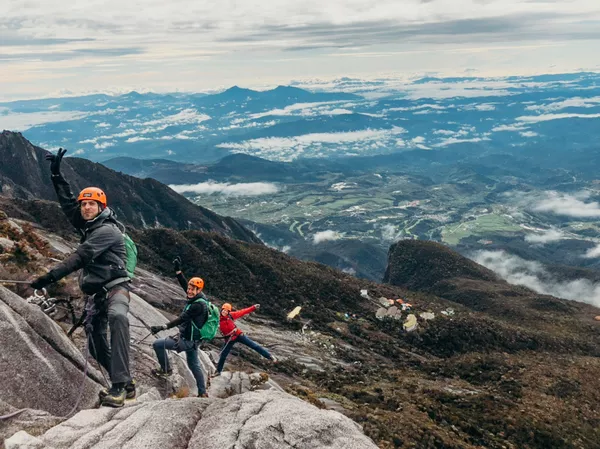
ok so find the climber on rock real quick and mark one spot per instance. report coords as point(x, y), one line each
point(233, 334)
point(102, 259)
point(198, 318)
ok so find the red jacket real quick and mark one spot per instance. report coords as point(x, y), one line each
point(227, 323)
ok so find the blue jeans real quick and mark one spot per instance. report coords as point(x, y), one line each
point(191, 352)
point(245, 341)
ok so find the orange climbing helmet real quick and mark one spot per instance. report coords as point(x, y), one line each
point(226, 306)
point(94, 194)
point(197, 282)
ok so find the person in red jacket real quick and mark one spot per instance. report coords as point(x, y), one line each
point(235, 335)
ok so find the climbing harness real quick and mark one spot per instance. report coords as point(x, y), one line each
point(46, 304)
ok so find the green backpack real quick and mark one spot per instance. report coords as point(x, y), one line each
point(209, 330)
point(131, 259)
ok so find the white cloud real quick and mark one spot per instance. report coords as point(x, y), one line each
point(572, 205)
point(24, 121)
point(307, 109)
point(534, 276)
point(325, 236)
point(444, 132)
point(593, 253)
point(454, 140)
point(528, 134)
point(103, 145)
point(103, 125)
point(390, 233)
point(184, 117)
point(548, 117)
point(242, 189)
point(509, 128)
point(290, 148)
point(78, 152)
point(137, 139)
point(552, 235)
point(575, 102)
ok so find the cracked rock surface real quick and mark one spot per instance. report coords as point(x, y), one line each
point(253, 420)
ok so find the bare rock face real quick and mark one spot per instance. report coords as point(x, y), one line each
point(230, 383)
point(265, 419)
point(40, 368)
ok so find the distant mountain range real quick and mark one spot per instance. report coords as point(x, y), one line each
point(528, 114)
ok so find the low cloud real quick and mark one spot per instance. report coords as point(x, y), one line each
point(572, 205)
point(218, 188)
point(325, 236)
point(533, 275)
point(24, 121)
point(548, 117)
point(508, 128)
point(454, 140)
point(290, 148)
point(593, 253)
point(549, 236)
point(391, 233)
point(575, 102)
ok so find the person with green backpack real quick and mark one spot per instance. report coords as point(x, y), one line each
point(198, 322)
point(106, 257)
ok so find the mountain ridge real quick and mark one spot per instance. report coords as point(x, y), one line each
point(139, 202)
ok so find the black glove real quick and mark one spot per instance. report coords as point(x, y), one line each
point(177, 263)
point(42, 281)
point(55, 160)
point(157, 329)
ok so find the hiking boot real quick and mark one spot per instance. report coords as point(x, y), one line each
point(129, 391)
point(158, 372)
point(203, 395)
point(217, 374)
point(274, 359)
point(114, 398)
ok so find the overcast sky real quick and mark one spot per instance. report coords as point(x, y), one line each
point(64, 45)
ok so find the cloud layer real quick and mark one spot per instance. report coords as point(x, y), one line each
point(534, 276)
point(325, 236)
point(217, 188)
point(186, 43)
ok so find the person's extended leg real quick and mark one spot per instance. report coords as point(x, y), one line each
point(253, 345)
point(224, 353)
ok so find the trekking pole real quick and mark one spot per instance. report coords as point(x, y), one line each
point(8, 281)
point(139, 342)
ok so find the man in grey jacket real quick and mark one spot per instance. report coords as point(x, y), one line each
point(101, 257)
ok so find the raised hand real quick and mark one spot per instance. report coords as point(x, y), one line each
point(177, 263)
point(55, 160)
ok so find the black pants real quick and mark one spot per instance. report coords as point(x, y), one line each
point(112, 312)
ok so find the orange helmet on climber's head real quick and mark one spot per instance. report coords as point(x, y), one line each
point(93, 194)
point(227, 307)
point(196, 282)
